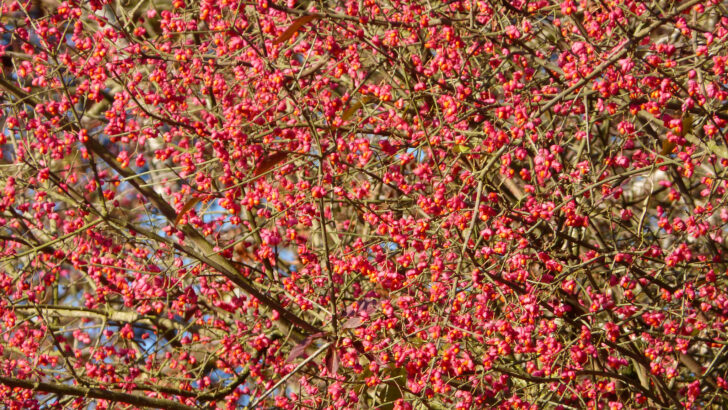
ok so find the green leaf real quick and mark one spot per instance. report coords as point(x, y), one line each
point(719, 151)
point(392, 389)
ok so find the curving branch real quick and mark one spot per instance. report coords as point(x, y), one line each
point(94, 392)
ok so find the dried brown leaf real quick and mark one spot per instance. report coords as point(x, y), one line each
point(186, 208)
point(332, 361)
point(240, 253)
point(293, 28)
point(300, 348)
point(354, 107)
point(269, 162)
point(352, 322)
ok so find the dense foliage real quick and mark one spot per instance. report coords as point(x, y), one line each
point(363, 204)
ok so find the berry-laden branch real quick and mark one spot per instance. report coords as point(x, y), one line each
point(208, 255)
point(95, 393)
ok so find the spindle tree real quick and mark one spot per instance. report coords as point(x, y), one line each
point(363, 204)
